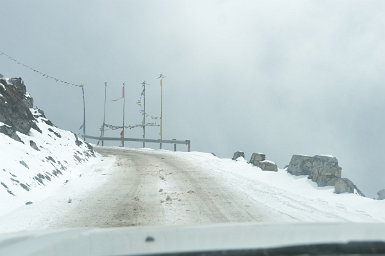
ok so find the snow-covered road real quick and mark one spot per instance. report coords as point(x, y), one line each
point(149, 187)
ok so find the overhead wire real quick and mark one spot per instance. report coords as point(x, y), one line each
point(57, 80)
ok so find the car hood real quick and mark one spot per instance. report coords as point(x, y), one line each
point(178, 239)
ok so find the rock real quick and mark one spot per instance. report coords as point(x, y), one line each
point(77, 141)
point(259, 160)
point(238, 154)
point(344, 185)
point(300, 165)
point(10, 132)
point(15, 105)
point(381, 194)
point(24, 164)
point(257, 157)
point(22, 91)
point(267, 165)
point(33, 145)
point(323, 170)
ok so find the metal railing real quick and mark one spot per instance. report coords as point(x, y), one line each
point(173, 141)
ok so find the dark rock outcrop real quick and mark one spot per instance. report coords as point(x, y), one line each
point(15, 105)
point(10, 132)
point(238, 154)
point(381, 194)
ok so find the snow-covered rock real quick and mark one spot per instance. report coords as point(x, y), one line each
point(238, 154)
point(33, 152)
point(381, 194)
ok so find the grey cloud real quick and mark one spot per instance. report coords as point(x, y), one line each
point(281, 77)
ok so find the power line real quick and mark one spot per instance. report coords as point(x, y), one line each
point(57, 80)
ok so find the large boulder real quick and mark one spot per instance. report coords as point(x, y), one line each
point(259, 160)
point(323, 170)
point(344, 185)
point(381, 194)
point(256, 158)
point(15, 104)
point(238, 154)
point(300, 165)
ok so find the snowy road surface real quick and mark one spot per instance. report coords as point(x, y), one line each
point(149, 187)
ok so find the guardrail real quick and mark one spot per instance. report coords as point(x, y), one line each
point(173, 141)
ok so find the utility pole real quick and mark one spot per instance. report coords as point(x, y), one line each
point(161, 76)
point(124, 106)
point(144, 112)
point(104, 116)
point(84, 115)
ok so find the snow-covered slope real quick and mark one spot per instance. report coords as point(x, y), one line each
point(35, 161)
point(294, 198)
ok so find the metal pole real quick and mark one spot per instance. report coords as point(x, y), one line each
point(124, 106)
point(104, 115)
point(174, 146)
point(84, 114)
point(161, 76)
point(144, 113)
point(188, 145)
point(161, 111)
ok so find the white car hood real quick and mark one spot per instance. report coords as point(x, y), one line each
point(177, 239)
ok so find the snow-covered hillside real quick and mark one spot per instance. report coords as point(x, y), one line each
point(35, 156)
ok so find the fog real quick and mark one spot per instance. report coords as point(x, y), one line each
point(279, 77)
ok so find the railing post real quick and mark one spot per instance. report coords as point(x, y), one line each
point(188, 145)
point(174, 146)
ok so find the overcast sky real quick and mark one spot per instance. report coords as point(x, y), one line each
point(279, 77)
